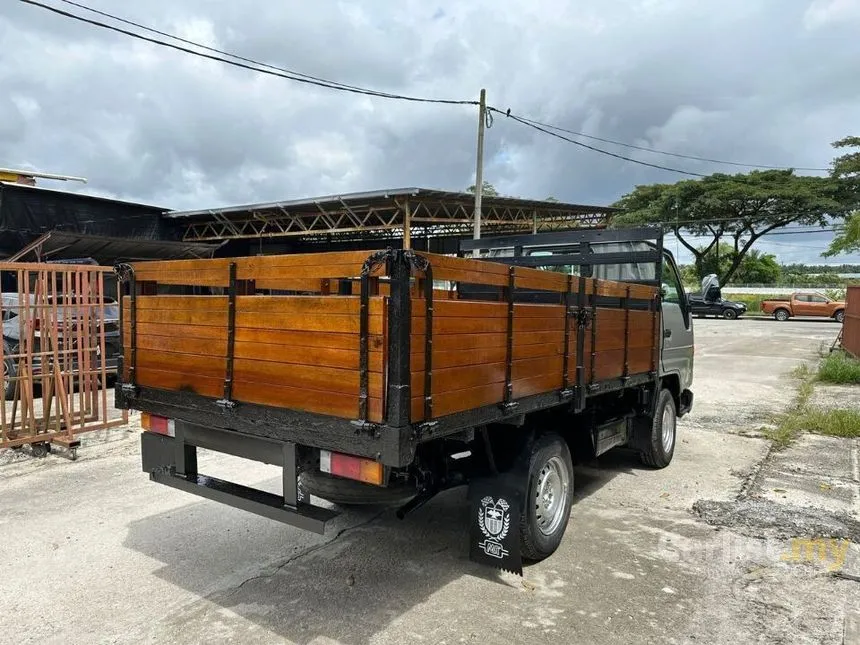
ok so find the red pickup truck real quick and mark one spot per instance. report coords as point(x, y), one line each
point(805, 304)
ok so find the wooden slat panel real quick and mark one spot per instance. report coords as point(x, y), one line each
point(483, 309)
point(537, 384)
point(144, 269)
point(330, 403)
point(470, 277)
point(459, 400)
point(526, 278)
point(464, 264)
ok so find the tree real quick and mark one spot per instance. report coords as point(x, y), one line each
point(846, 169)
point(488, 189)
point(739, 208)
point(756, 267)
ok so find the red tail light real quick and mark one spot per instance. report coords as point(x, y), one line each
point(157, 424)
point(363, 470)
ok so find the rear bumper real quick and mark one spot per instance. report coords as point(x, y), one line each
point(172, 461)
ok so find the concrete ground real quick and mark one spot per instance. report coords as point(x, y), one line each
point(712, 549)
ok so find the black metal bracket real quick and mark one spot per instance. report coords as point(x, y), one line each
point(125, 275)
point(625, 303)
point(507, 404)
point(593, 322)
point(370, 264)
point(428, 340)
point(227, 401)
point(568, 296)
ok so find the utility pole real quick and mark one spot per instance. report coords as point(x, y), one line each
point(479, 170)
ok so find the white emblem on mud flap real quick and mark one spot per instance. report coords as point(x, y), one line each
point(494, 522)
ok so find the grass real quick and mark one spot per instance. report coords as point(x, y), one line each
point(803, 417)
point(839, 367)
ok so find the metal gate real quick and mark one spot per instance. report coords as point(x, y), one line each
point(60, 346)
point(851, 325)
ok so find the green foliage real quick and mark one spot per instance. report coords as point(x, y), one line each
point(487, 190)
point(839, 367)
point(846, 169)
point(847, 238)
point(754, 268)
point(740, 208)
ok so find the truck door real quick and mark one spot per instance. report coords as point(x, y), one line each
point(819, 305)
point(677, 341)
point(801, 305)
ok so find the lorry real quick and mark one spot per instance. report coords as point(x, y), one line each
point(391, 375)
point(805, 304)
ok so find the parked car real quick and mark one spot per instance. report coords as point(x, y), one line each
point(727, 309)
point(805, 304)
point(710, 301)
point(11, 308)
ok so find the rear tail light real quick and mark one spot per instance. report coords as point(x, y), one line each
point(157, 424)
point(363, 470)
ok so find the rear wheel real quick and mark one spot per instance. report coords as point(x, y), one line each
point(659, 448)
point(839, 316)
point(730, 314)
point(781, 315)
point(546, 511)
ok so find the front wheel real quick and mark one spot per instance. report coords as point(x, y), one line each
point(781, 315)
point(730, 314)
point(659, 447)
point(546, 511)
point(839, 316)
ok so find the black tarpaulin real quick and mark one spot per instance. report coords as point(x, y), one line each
point(27, 212)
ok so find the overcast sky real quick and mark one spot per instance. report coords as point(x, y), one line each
point(756, 81)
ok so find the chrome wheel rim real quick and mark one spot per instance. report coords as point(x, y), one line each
point(552, 494)
point(668, 428)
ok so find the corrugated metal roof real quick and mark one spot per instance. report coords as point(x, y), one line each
point(386, 196)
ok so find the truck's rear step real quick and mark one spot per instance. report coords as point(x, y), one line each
point(172, 461)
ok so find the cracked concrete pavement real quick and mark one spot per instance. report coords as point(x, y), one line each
point(92, 552)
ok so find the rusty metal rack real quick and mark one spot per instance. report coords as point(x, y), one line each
point(55, 354)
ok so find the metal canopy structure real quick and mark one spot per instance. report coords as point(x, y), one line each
point(385, 214)
point(61, 245)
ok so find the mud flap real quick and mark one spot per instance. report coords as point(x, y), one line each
point(494, 533)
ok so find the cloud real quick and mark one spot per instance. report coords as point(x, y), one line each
point(767, 82)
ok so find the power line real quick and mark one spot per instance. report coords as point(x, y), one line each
point(665, 152)
point(241, 62)
point(594, 149)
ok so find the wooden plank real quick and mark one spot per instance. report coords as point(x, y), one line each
point(526, 278)
point(463, 264)
point(293, 398)
point(314, 322)
point(471, 277)
point(476, 325)
point(537, 384)
point(308, 340)
point(180, 348)
point(459, 400)
point(483, 309)
point(255, 262)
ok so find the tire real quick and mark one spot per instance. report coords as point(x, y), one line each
point(839, 316)
point(781, 315)
point(348, 492)
point(659, 447)
point(546, 509)
point(9, 371)
point(730, 314)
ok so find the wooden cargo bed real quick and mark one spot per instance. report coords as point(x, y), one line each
point(343, 334)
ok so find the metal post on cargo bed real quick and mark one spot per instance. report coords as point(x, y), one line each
point(398, 399)
point(428, 343)
point(508, 403)
point(625, 304)
point(227, 401)
point(569, 312)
